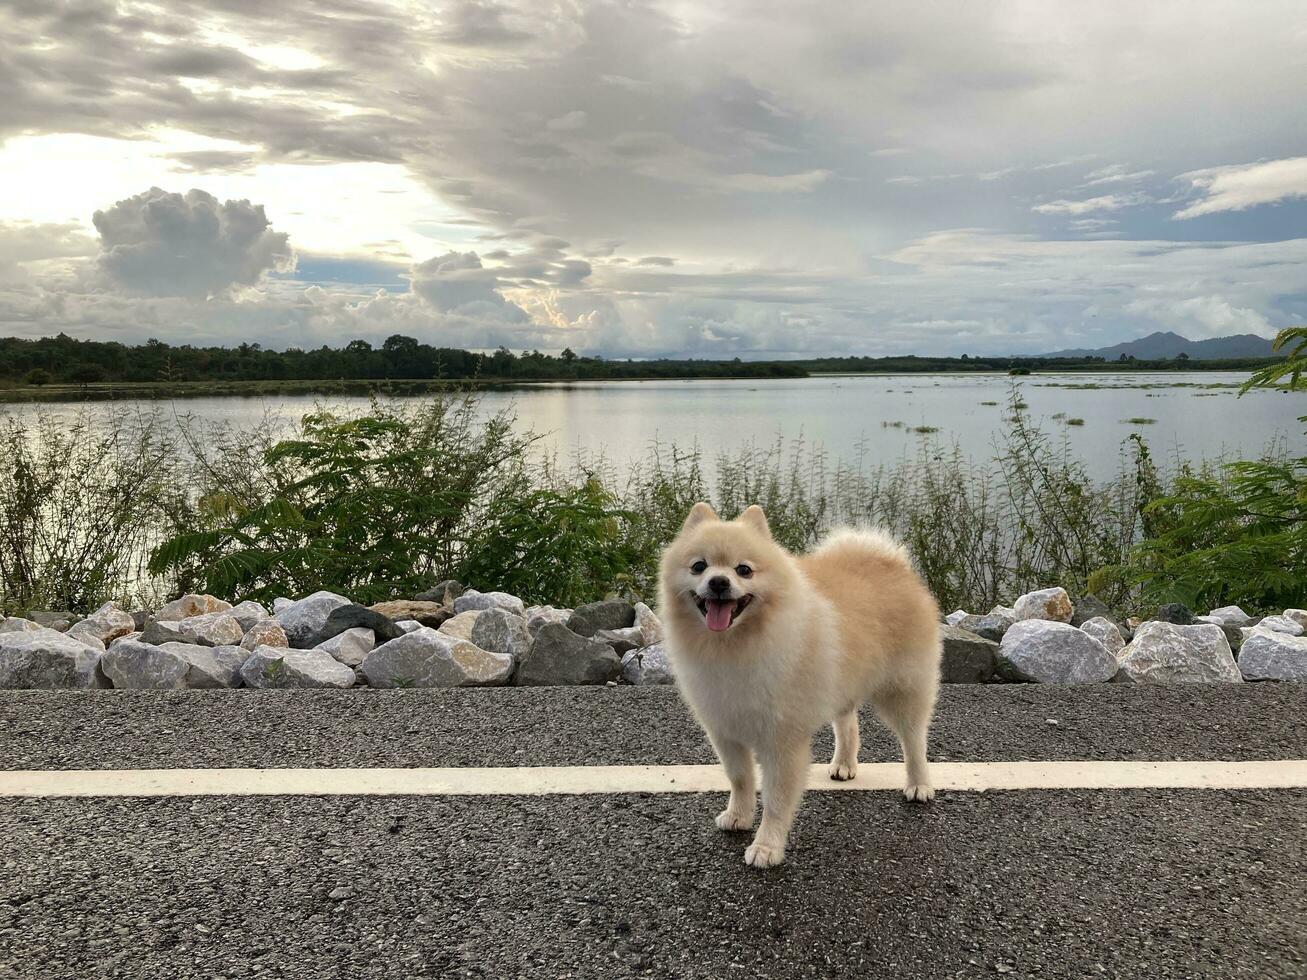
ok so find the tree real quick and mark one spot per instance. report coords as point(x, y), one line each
point(38, 377)
point(397, 343)
point(1182, 356)
point(569, 355)
point(1288, 374)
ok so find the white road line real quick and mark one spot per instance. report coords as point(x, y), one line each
point(574, 780)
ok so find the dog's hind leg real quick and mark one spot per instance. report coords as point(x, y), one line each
point(737, 760)
point(784, 775)
point(844, 763)
point(907, 714)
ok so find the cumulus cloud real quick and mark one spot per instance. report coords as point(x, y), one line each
point(456, 282)
point(1237, 188)
point(1203, 316)
point(167, 244)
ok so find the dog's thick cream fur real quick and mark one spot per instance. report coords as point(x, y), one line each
point(810, 639)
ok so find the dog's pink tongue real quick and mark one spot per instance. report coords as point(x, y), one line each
point(719, 614)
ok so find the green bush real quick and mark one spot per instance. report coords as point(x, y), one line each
point(563, 547)
point(1237, 534)
point(372, 506)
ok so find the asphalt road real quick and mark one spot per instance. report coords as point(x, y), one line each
point(615, 726)
point(1046, 884)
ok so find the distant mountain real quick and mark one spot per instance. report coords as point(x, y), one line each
point(1157, 346)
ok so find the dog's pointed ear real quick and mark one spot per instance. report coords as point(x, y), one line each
point(754, 517)
point(699, 513)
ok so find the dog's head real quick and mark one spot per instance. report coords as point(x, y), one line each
point(718, 575)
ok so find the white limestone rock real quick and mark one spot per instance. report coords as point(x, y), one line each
point(351, 646)
point(501, 631)
point(16, 624)
point(1048, 652)
point(250, 612)
point(1105, 632)
point(45, 659)
point(1281, 624)
point(277, 667)
point(1231, 616)
point(106, 624)
point(133, 665)
point(1271, 656)
point(1164, 653)
point(647, 666)
point(649, 625)
point(429, 658)
point(472, 599)
point(213, 629)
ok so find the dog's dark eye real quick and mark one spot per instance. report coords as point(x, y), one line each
point(699, 567)
point(744, 571)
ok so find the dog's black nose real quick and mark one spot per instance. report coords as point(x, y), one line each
point(719, 584)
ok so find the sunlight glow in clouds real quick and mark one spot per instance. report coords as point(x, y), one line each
point(656, 176)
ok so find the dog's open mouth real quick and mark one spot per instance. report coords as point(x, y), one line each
point(719, 614)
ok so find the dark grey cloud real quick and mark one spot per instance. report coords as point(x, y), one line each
point(163, 244)
point(456, 282)
point(215, 161)
point(481, 24)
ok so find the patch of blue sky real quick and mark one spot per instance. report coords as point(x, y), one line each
point(328, 270)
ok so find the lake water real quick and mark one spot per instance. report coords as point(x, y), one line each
point(872, 418)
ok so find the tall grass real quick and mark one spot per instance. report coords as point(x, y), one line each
point(82, 502)
point(387, 501)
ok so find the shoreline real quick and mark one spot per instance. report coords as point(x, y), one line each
point(162, 391)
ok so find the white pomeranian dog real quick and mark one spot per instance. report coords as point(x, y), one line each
point(767, 647)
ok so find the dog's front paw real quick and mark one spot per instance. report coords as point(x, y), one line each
point(763, 855)
point(919, 793)
point(843, 771)
point(729, 819)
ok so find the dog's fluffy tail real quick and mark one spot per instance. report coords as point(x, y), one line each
point(871, 542)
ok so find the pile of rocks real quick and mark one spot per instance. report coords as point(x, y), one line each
point(1049, 638)
point(447, 637)
point(456, 637)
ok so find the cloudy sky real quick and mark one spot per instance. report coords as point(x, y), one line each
point(637, 178)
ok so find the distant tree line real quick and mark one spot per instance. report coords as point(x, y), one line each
point(913, 364)
point(64, 360)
